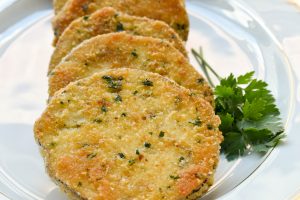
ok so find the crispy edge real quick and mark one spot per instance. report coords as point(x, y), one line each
point(104, 21)
point(177, 16)
point(72, 68)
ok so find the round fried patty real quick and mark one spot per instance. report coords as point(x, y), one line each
point(170, 11)
point(108, 20)
point(59, 4)
point(129, 134)
point(117, 50)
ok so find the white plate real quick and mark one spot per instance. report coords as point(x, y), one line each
point(233, 39)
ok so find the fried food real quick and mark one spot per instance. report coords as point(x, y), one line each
point(58, 5)
point(170, 11)
point(129, 134)
point(117, 50)
point(108, 20)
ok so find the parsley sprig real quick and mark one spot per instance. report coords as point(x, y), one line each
point(250, 119)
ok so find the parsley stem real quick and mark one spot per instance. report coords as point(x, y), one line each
point(204, 66)
point(200, 55)
point(201, 64)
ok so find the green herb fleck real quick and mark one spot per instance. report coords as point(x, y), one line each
point(86, 17)
point(181, 159)
point(174, 177)
point(121, 155)
point(52, 144)
point(152, 116)
point(51, 73)
point(134, 54)
point(131, 162)
point(200, 80)
point(97, 120)
point(196, 122)
point(147, 83)
point(161, 134)
point(178, 99)
point(119, 27)
point(84, 145)
point(210, 127)
point(123, 114)
point(118, 98)
point(113, 83)
point(135, 92)
point(56, 32)
point(147, 145)
point(137, 152)
point(91, 155)
point(104, 109)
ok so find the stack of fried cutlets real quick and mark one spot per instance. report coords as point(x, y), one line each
point(128, 116)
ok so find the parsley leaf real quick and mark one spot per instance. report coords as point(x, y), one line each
point(255, 109)
point(250, 119)
point(227, 122)
point(249, 116)
point(234, 145)
point(244, 79)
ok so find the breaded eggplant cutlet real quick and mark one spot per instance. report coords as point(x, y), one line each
point(170, 11)
point(129, 134)
point(108, 20)
point(118, 50)
point(59, 4)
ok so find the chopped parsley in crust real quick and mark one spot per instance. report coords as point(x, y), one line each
point(108, 20)
point(170, 11)
point(125, 157)
point(116, 50)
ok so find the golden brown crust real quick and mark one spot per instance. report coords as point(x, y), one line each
point(170, 11)
point(116, 50)
point(108, 20)
point(154, 141)
point(58, 5)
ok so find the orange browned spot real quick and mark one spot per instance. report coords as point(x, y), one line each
point(189, 179)
point(71, 168)
point(105, 191)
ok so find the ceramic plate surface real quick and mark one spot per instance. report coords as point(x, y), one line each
point(233, 38)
